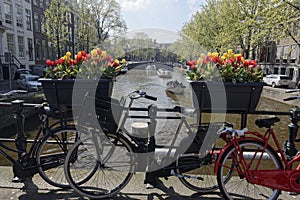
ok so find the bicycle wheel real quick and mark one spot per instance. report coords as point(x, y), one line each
point(51, 155)
point(237, 186)
point(99, 166)
point(197, 174)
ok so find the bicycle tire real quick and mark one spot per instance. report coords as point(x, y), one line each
point(238, 187)
point(51, 155)
point(106, 153)
point(197, 174)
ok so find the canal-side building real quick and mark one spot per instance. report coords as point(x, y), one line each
point(22, 39)
point(16, 35)
point(281, 57)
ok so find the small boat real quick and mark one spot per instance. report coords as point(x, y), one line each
point(150, 67)
point(175, 87)
point(163, 73)
point(124, 70)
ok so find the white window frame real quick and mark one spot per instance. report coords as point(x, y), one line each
point(286, 52)
point(19, 16)
point(21, 46)
point(8, 13)
point(28, 20)
point(10, 44)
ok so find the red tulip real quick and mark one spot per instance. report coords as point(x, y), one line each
point(88, 56)
point(83, 53)
point(79, 57)
point(48, 62)
point(189, 63)
point(69, 62)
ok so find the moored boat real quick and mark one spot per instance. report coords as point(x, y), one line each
point(163, 73)
point(175, 87)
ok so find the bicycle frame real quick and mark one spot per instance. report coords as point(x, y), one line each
point(285, 179)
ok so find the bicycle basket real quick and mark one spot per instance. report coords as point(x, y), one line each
point(103, 111)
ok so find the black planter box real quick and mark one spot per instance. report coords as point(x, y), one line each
point(62, 92)
point(226, 96)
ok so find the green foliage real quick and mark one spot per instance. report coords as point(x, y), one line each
point(241, 24)
point(56, 24)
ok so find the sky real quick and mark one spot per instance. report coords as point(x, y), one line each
point(160, 19)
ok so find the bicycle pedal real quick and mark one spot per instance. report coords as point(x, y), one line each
point(17, 180)
point(149, 186)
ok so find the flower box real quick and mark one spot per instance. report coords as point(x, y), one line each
point(226, 96)
point(71, 92)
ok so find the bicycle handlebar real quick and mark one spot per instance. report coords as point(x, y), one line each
point(143, 94)
point(150, 97)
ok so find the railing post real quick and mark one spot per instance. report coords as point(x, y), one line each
point(21, 143)
point(17, 107)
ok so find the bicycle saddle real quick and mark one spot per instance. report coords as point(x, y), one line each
point(267, 123)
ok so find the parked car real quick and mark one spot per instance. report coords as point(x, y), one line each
point(22, 71)
point(29, 82)
point(277, 80)
point(39, 70)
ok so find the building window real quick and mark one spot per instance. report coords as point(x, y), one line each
point(1, 13)
point(10, 43)
point(285, 54)
point(28, 1)
point(42, 23)
point(19, 16)
point(38, 50)
point(8, 13)
point(44, 46)
point(282, 70)
point(47, 3)
point(30, 48)
point(36, 3)
point(37, 22)
point(269, 54)
point(21, 46)
point(28, 20)
point(44, 4)
point(278, 54)
point(70, 33)
point(293, 53)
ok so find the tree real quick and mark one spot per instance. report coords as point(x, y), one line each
point(238, 24)
point(106, 18)
point(285, 16)
point(86, 32)
point(56, 24)
point(187, 48)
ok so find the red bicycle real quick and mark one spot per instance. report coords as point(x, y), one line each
point(260, 168)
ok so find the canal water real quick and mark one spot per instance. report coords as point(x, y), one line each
point(146, 78)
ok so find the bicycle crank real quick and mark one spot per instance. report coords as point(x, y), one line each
point(173, 173)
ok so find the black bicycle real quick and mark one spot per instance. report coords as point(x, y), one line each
point(47, 151)
point(105, 157)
